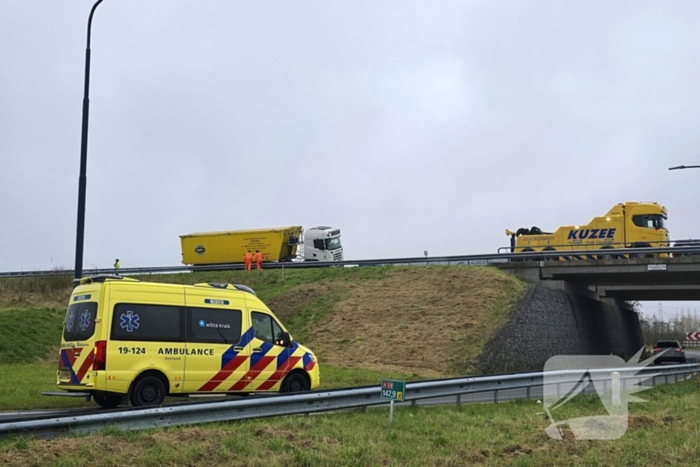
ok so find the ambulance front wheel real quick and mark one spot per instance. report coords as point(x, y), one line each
point(296, 382)
point(107, 402)
point(148, 390)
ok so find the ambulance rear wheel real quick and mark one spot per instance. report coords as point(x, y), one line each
point(108, 402)
point(148, 390)
point(296, 382)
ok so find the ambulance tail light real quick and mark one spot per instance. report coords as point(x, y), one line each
point(100, 360)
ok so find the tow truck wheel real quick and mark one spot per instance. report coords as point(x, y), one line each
point(108, 402)
point(549, 249)
point(529, 250)
point(606, 255)
point(148, 390)
point(640, 255)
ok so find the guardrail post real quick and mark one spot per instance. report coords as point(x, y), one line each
point(615, 389)
point(666, 376)
point(558, 396)
point(605, 385)
point(527, 394)
point(675, 378)
point(459, 401)
point(495, 396)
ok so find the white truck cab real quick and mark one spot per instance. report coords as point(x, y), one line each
point(322, 244)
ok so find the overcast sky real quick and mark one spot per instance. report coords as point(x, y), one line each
point(410, 125)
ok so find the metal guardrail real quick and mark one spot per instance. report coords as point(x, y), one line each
point(321, 401)
point(481, 259)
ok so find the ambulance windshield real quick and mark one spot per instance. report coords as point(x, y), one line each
point(80, 321)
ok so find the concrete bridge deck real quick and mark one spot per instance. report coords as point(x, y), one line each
point(624, 279)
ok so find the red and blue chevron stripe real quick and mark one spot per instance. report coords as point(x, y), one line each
point(67, 361)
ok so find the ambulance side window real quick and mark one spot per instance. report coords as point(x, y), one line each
point(137, 322)
point(213, 325)
point(265, 327)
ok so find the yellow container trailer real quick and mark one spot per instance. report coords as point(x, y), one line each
point(276, 244)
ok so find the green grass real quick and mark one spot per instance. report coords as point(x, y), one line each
point(303, 323)
point(21, 386)
point(269, 284)
point(663, 431)
point(29, 334)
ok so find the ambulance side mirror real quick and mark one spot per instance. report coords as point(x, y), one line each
point(285, 340)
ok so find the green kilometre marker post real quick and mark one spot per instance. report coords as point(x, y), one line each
point(393, 390)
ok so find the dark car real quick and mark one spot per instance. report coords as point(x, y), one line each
point(674, 352)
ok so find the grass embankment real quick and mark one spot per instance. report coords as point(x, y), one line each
point(363, 323)
point(663, 431)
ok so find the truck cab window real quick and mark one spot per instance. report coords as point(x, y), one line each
point(652, 221)
point(333, 243)
point(319, 245)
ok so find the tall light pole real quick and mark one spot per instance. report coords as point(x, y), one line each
point(82, 180)
point(680, 167)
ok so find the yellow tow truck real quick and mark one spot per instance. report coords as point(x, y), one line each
point(626, 225)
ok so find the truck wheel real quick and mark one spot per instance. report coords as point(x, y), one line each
point(607, 255)
point(550, 258)
point(148, 390)
point(295, 382)
point(641, 255)
point(529, 250)
point(108, 402)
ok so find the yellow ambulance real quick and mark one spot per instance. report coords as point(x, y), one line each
point(130, 341)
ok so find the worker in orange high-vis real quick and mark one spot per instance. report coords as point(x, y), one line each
point(258, 259)
point(248, 260)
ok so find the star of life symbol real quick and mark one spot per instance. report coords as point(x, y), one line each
point(85, 320)
point(70, 322)
point(571, 375)
point(130, 321)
